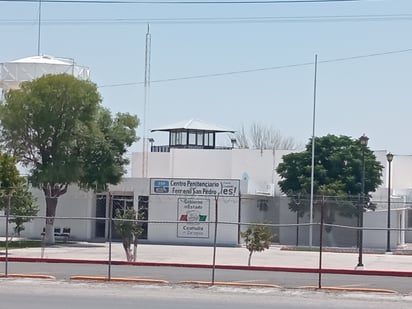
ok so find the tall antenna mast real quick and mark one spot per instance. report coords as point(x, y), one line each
point(146, 99)
point(39, 30)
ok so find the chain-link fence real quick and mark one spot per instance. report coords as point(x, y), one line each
point(109, 256)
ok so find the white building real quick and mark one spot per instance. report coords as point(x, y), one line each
point(187, 180)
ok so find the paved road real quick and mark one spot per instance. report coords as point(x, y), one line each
point(178, 274)
point(17, 294)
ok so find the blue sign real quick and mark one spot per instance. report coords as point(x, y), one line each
point(161, 186)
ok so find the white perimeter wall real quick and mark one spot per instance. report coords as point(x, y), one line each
point(74, 203)
point(163, 211)
point(255, 166)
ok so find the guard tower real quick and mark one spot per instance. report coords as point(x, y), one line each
point(192, 134)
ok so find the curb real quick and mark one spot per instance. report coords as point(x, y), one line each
point(30, 276)
point(239, 284)
point(347, 289)
point(201, 283)
point(119, 279)
point(391, 273)
point(347, 250)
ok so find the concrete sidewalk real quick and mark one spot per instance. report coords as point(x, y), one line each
point(233, 256)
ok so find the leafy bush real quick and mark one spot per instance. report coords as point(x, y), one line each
point(257, 238)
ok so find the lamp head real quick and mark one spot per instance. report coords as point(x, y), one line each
point(233, 141)
point(389, 157)
point(364, 140)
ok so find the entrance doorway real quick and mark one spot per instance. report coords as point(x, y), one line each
point(119, 202)
point(100, 225)
point(143, 211)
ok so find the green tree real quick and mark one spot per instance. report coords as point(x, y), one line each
point(23, 207)
point(337, 175)
point(103, 149)
point(15, 193)
point(257, 238)
point(56, 127)
point(129, 230)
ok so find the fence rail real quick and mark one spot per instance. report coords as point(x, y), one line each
point(213, 254)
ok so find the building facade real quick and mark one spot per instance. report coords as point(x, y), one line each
point(187, 189)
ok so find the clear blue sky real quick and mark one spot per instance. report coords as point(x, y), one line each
point(371, 95)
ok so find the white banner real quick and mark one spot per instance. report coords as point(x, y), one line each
point(206, 187)
point(192, 213)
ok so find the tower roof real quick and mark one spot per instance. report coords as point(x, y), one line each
point(193, 124)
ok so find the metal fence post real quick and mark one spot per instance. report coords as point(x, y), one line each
point(6, 266)
point(109, 275)
point(215, 240)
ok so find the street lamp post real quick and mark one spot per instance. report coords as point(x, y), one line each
point(389, 157)
point(151, 141)
point(233, 141)
point(364, 143)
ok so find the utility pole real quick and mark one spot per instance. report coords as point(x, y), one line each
point(312, 175)
point(39, 30)
point(146, 99)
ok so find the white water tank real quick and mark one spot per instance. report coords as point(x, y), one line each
point(15, 72)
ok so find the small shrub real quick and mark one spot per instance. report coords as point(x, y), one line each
point(257, 238)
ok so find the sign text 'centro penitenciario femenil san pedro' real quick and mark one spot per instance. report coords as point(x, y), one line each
point(194, 187)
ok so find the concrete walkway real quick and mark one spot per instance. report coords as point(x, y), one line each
point(233, 256)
